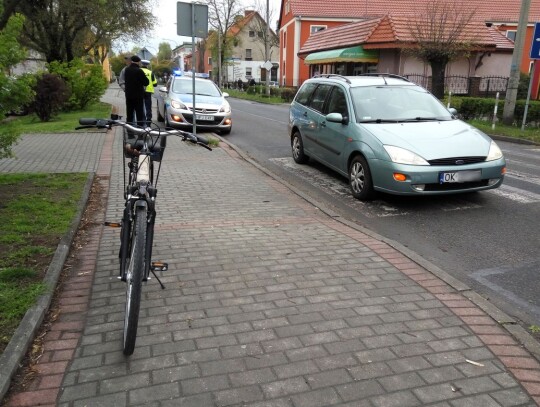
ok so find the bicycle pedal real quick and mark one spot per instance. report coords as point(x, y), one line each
point(159, 266)
point(112, 224)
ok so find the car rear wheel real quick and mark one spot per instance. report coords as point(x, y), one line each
point(360, 180)
point(297, 147)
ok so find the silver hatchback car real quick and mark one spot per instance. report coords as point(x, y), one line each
point(384, 133)
point(175, 105)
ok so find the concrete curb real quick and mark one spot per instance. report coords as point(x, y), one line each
point(505, 321)
point(24, 335)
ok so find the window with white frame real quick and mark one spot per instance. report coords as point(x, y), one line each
point(248, 54)
point(248, 73)
point(511, 34)
point(287, 7)
point(316, 28)
point(210, 61)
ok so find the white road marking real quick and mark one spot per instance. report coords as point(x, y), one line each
point(515, 194)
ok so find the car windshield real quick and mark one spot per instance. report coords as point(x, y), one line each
point(383, 104)
point(204, 87)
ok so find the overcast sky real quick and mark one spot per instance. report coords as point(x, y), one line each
point(165, 28)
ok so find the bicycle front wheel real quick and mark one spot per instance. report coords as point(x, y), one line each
point(134, 279)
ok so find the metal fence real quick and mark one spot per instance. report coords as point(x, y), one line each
point(490, 85)
point(487, 86)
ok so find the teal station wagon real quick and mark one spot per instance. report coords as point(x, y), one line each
point(384, 133)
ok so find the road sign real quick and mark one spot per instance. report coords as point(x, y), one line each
point(192, 22)
point(535, 46)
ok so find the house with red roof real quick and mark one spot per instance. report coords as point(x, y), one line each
point(355, 36)
point(247, 55)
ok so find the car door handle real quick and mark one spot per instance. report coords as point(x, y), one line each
point(305, 114)
point(323, 124)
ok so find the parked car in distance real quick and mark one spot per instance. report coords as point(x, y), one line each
point(175, 105)
point(385, 133)
point(273, 84)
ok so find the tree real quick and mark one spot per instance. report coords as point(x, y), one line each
point(439, 34)
point(14, 92)
point(268, 39)
point(222, 15)
point(164, 51)
point(63, 30)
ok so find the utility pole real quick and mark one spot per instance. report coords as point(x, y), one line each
point(513, 81)
point(266, 57)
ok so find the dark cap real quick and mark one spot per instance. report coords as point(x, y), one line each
point(135, 58)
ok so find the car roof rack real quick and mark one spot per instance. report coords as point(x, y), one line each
point(332, 75)
point(385, 75)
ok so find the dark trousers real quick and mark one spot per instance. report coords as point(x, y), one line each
point(135, 108)
point(148, 107)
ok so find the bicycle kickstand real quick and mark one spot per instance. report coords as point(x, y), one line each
point(157, 265)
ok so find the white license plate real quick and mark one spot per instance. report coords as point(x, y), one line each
point(460, 176)
point(204, 118)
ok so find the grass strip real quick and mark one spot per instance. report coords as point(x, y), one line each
point(36, 211)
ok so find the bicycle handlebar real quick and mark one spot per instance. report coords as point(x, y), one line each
point(87, 123)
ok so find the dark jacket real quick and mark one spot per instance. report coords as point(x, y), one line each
point(135, 82)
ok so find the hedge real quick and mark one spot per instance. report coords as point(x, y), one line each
point(482, 109)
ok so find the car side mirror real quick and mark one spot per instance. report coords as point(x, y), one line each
point(337, 118)
point(453, 111)
point(162, 89)
point(225, 95)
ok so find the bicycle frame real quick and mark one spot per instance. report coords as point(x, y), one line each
point(138, 219)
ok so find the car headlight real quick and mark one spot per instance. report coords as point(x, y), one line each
point(177, 105)
point(495, 152)
point(401, 156)
point(225, 108)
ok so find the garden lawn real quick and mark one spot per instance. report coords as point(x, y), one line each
point(36, 211)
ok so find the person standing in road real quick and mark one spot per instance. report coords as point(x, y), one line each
point(135, 85)
point(122, 76)
point(149, 91)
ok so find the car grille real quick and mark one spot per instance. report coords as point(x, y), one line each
point(457, 161)
point(455, 186)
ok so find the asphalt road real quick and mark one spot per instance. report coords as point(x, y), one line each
point(488, 240)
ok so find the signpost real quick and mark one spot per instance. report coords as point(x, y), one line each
point(192, 20)
point(534, 55)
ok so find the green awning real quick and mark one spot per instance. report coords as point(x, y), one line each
point(353, 54)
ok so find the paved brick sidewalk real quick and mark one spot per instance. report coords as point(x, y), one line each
point(269, 302)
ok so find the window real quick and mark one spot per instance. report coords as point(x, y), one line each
point(260, 34)
point(319, 96)
point(304, 93)
point(251, 33)
point(248, 73)
point(287, 7)
point(316, 28)
point(284, 40)
point(248, 54)
point(337, 103)
point(210, 61)
point(511, 34)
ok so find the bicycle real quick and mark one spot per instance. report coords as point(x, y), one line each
point(143, 147)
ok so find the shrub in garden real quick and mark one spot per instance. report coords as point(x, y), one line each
point(86, 82)
point(288, 94)
point(51, 93)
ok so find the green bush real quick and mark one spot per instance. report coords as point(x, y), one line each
point(482, 109)
point(288, 94)
point(51, 95)
point(86, 82)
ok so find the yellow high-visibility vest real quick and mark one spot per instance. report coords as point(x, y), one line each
point(152, 81)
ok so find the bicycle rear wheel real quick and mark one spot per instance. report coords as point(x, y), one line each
point(134, 279)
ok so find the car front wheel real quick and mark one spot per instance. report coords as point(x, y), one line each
point(360, 179)
point(297, 147)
